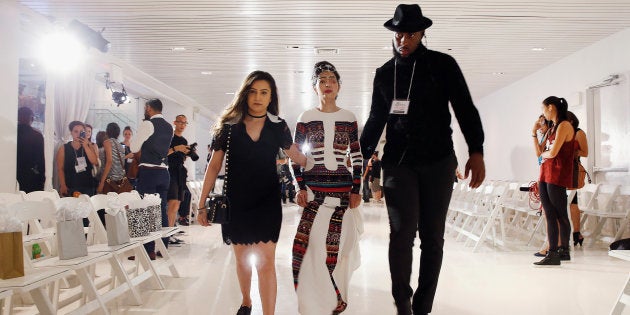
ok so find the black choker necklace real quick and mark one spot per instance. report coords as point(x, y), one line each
point(261, 116)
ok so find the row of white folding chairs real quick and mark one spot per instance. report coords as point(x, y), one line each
point(43, 210)
point(474, 214)
point(42, 284)
point(605, 212)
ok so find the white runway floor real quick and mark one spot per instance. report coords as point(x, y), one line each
point(491, 281)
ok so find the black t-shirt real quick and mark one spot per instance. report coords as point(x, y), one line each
point(176, 159)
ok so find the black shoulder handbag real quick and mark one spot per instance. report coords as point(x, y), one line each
point(218, 205)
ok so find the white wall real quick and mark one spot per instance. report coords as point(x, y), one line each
point(9, 61)
point(509, 114)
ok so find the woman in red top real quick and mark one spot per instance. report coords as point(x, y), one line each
point(555, 176)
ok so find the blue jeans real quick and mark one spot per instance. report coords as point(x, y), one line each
point(152, 181)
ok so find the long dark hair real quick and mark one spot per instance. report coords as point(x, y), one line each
point(238, 108)
point(562, 107)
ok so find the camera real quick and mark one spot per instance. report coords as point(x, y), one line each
point(82, 134)
point(193, 152)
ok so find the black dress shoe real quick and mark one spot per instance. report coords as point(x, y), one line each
point(404, 308)
point(244, 310)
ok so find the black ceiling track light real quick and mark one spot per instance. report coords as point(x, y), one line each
point(119, 97)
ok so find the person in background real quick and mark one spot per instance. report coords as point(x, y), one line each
point(88, 137)
point(100, 137)
point(542, 133)
point(177, 154)
point(153, 141)
point(555, 176)
point(581, 151)
point(255, 133)
point(411, 95)
point(75, 160)
point(129, 156)
point(114, 166)
point(326, 244)
point(375, 177)
point(31, 166)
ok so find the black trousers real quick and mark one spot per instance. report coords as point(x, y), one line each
point(554, 202)
point(417, 200)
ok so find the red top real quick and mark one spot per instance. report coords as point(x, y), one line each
point(559, 170)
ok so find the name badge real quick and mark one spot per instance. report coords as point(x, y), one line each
point(399, 107)
point(81, 164)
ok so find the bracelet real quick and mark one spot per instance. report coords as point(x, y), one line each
point(535, 136)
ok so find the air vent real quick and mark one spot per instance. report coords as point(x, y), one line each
point(326, 51)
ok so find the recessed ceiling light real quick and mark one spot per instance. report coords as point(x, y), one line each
point(229, 93)
point(178, 49)
point(498, 73)
point(326, 51)
point(206, 72)
point(538, 49)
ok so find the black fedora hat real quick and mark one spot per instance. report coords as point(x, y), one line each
point(408, 18)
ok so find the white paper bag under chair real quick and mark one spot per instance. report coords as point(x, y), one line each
point(71, 239)
point(117, 228)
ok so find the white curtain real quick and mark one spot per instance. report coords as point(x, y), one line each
point(72, 95)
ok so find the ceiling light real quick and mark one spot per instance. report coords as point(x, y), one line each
point(538, 49)
point(89, 36)
point(178, 49)
point(120, 97)
point(326, 51)
point(229, 93)
point(206, 72)
point(498, 73)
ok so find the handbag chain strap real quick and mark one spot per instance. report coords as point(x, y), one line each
point(227, 160)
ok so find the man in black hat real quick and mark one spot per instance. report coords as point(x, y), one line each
point(411, 95)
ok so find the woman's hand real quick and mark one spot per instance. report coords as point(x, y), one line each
point(302, 198)
point(202, 214)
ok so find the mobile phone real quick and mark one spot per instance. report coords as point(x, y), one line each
point(82, 134)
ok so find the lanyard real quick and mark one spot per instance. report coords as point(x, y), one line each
point(410, 81)
point(76, 158)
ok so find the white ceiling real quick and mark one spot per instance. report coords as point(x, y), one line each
point(491, 39)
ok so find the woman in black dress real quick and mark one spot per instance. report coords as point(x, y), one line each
point(256, 134)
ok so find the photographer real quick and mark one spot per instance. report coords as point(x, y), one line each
point(177, 154)
point(75, 160)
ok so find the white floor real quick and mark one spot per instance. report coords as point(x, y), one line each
point(492, 281)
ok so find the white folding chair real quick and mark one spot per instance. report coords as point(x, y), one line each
point(41, 195)
point(7, 199)
point(598, 211)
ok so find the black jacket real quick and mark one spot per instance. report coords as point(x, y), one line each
point(424, 134)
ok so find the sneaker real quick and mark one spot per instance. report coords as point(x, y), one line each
point(552, 259)
point(183, 221)
point(174, 241)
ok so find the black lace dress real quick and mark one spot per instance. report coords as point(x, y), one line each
point(253, 187)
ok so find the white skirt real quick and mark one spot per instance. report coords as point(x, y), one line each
point(316, 294)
